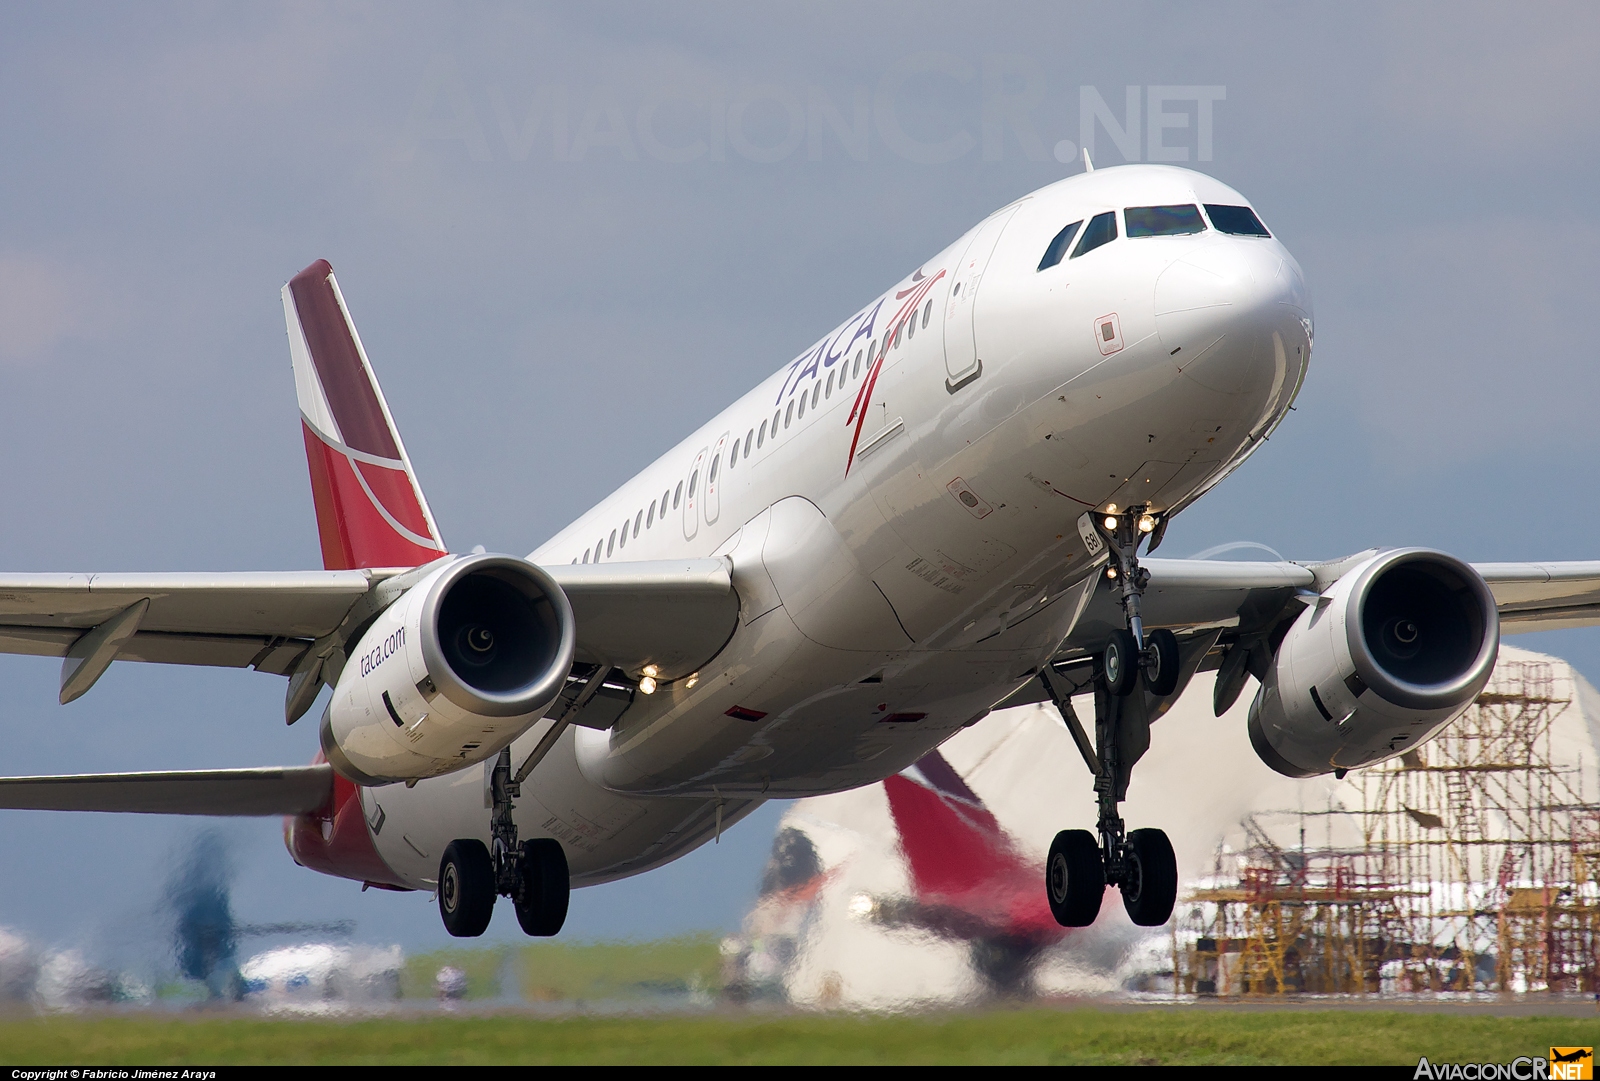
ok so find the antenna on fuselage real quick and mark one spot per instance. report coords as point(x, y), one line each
point(1088, 166)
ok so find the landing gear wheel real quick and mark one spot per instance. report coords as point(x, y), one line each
point(1121, 663)
point(1161, 663)
point(1150, 884)
point(1074, 878)
point(466, 888)
point(541, 900)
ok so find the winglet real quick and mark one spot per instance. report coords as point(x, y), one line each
point(370, 509)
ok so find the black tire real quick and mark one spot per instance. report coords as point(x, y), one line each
point(1161, 663)
point(1074, 878)
point(1151, 887)
point(546, 887)
point(466, 888)
point(1121, 663)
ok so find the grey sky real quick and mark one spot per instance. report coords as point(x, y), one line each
point(547, 316)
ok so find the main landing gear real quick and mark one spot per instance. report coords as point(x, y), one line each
point(1141, 863)
point(532, 873)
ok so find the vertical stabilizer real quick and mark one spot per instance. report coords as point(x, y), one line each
point(370, 508)
point(953, 844)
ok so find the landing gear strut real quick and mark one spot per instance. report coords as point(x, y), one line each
point(1130, 651)
point(1141, 863)
point(532, 873)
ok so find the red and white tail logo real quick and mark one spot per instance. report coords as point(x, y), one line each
point(370, 509)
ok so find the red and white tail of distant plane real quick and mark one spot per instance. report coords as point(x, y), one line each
point(970, 879)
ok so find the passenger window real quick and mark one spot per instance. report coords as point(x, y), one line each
point(774, 424)
point(927, 312)
point(650, 515)
point(599, 544)
point(1236, 220)
point(761, 436)
point(664, 505)
point(855, 371)
point(1163, 220)
point(911, 327)
point(733, 454)
point(828, 393)
point(624, 543)
point(816, 394)
point(694, 479)
point(1102, 229)
point(748, 438)
point(636, 520)
point(612, 543)
point(677, 496)
point(788, 414)
point(586, 555)
point(715, 463)
point(802, 412)
point(1057, 250)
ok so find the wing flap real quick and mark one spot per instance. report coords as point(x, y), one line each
point(272, 790)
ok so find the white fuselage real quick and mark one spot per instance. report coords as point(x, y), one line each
point(904, 543)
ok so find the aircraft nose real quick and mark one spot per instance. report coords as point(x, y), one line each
point(1227, 287)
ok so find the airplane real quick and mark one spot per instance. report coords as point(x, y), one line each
point(970, 883)
point(934, 511)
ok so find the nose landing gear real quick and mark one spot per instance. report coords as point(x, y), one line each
point(1140, 864)
point(532, 873)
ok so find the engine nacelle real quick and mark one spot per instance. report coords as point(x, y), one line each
point(462, 664)
point(1392, 652)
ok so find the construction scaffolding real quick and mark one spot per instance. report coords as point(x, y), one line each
point(1469, 864)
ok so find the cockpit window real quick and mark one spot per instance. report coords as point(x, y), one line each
point(1057, 250)
point(1102, 229)
point(1237, 220)
point(1163, 220)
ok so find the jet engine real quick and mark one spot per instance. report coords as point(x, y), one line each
point(458, 667)
point(1392, 652)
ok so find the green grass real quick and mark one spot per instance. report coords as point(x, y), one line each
point(576, 972)
point(1145, 1036)
point(588, 972)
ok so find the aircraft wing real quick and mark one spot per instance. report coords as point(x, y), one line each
point(274, 790)
point(679, 613)
point(1544, 596)
point(1192, 596)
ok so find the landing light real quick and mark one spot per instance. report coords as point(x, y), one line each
point(650, 670)
point(1147, 523)
point(647, 685)
point(1111, 523)
point(691, 681)
point(1111, 508)
point(1111, 572)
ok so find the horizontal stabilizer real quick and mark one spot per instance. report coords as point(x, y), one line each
point(271, 790)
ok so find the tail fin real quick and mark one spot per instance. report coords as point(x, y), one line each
point(370, 509)
point(952, 843)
